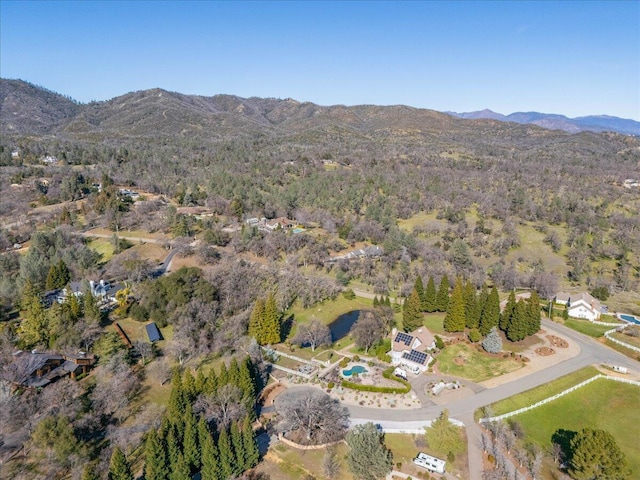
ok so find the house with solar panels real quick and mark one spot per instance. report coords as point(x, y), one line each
point(412, 349)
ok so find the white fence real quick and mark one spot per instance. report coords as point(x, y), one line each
point(300, 360)
point(561, 394)
point(620, 342)
point(291, 371)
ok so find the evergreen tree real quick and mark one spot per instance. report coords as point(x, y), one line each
point(173, 449)
point(223, 376)
point(177, 401)
point(368, 457)
point(234, 372)
point(256, 319)
point(247, 384)
point(376, 303)
point(533, 324)
point(595, 455)
point(492, 342)
point(419, 286)
point(212, 383)
point(209, 452)
point(240, 464)
point(189, 387)
point(119, 468)
point(190, 444)
point(490, 315)
point(442, 297)
point(412, 314)
point(89, 472)
point(508, 312)
point(430, 295)
point(180, 470)
point(34, 327)
point(156, 466)
point(251, 453)
point(227, 459)
point(454, 321)
point(201, 382)
point(517, 326)
point(271, 322)
point(387, 302)
point(91, 308)
point(471, 307)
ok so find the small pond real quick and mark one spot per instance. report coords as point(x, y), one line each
point(359, 369)
point(341, 326)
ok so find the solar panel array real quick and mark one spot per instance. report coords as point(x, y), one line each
point(415, 356)
point(405, 338)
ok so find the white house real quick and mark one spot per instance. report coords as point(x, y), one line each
point(411, 349)
point(583, 305)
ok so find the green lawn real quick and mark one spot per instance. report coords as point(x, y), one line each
point(534, 395)
point(434, 321)
point(603, 404)
point(329, 310)
point(586, 327)
point(102, 246)
point(476, 365)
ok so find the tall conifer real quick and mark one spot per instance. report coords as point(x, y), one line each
point(210, 461)
point(240, 464)
point(252, 455)
point(490, 312)
point(256, 320)
point(156, 466)
point(119, 468)
point(430, 295)
point(442, 297)
point(412, 314)
point(227, 459)
point(454, 321)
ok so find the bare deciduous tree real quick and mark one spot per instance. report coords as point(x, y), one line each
point(223, 406)
point(313, 334)
point(368, 330)
point(313, 414)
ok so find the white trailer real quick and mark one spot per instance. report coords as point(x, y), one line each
point(619, 369)
point(433, 464)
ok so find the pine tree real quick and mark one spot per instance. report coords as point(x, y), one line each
point(34, 328)
point(234, 372)
point(490, 312)
point(387, 302)
point(271, 322)
point(412, 314)
point(507, 313)
point(212, 383)
point(119, 468)
point(91, 308)
point(210, 461)
point(201, 382)
point(177, 402)
point(376, 303)
point(223, 376)
point(533, 324)
point(156, 466)
point(180, 470)
point(454, 321)
point(251, 453)
point(227, 459)
point(240, 464)
point(173, 449)
point(471, 307)
point(190, 444)
point(430, 295)
point(442, 297)
point(419, 286)
point(189, 387)
point(255, 321)
point(89, 472)
point(247, 384)
point(517, 326)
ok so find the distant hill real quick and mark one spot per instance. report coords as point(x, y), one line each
point(26, 109)
point(592, 123)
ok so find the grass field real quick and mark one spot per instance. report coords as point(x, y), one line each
point(635, 341)
point(475, 366)
point(329, 310)
point(404, 450)
point(104, 247)
point(547, 390)
point(434, 321)
point(603, 404)
point(586, 327)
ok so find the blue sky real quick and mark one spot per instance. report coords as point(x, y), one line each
point(574, 58)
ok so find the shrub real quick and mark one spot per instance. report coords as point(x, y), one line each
point(474, 335)
point(356, 358)
point(439, 342)
point(344, 362)
point(492, 342)
point(330, 385)
point(348, 294)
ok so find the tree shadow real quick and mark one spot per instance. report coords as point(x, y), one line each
point(563, 438)
point(285, 328)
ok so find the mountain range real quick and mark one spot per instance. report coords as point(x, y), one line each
point(26, 109)
point(552, 121)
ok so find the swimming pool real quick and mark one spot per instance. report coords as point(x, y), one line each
point(355, 369)
point(629, 318)
point(298, 230)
